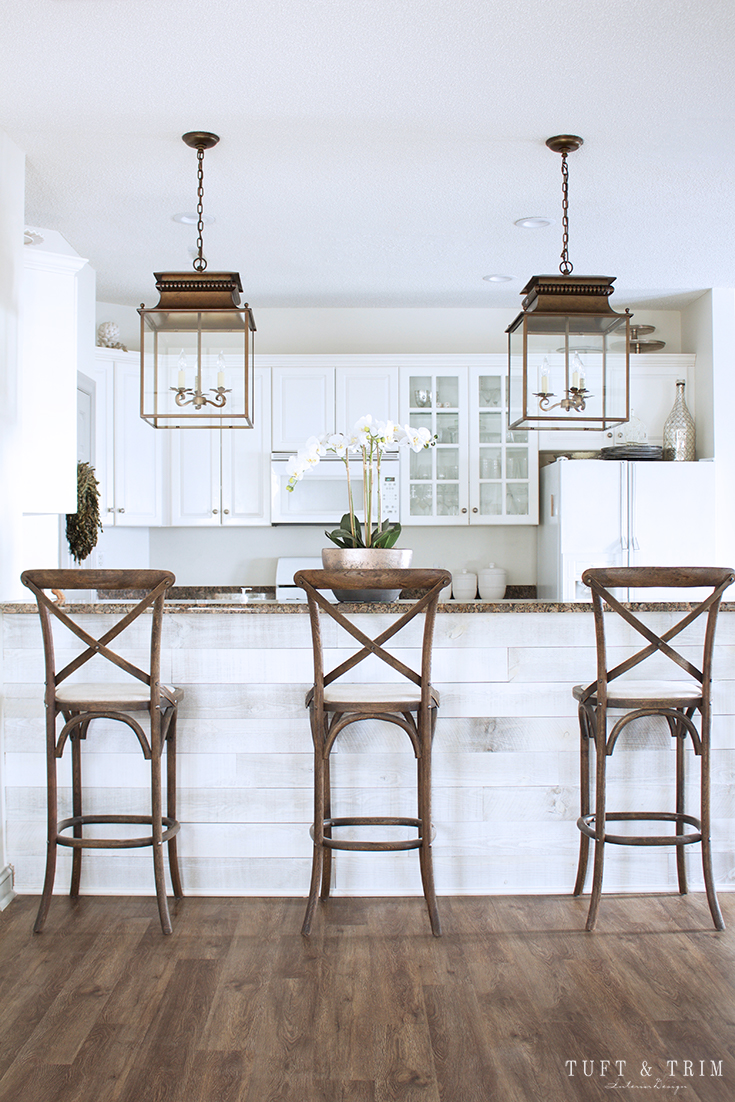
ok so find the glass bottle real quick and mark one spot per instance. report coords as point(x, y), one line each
point(679, 431)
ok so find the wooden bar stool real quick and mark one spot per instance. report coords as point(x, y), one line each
point(80, 704)
point(412, 706)
point(676, 701)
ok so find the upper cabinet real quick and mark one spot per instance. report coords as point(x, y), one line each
point(478, 472)
point(314, 395)
point(129, 452)
point(222, 476)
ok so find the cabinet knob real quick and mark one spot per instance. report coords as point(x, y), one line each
point(121, 510)
point(474, 510)
point(225, 511)
point(463, 510)
point(110, 508)
point(214, 512)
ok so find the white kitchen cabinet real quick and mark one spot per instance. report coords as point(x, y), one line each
point(614, 513)
point(129, 452)
point(222, 476)
point(478, 472)
point(313, 396)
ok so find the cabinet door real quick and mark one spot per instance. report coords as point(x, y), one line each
point(138, 451)
point(104, 449)
point(246, 466)
point(434, 482)
point(195, 476)
point(361, 390)
point(503, 463)
point(303, 405)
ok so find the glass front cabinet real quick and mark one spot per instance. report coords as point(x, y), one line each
point(479, 472)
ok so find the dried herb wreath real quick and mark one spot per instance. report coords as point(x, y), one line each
point(82, 526)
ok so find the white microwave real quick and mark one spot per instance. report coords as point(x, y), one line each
point(321, 495)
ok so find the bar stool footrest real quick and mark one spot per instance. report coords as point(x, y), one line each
point(172, 829)
point(586, 824)
point(372, 847)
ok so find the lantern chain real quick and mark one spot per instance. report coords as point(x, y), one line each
point(566, 267)
point(200, 263)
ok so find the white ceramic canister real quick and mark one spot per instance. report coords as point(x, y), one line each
point(464, 586)
point(491, 583)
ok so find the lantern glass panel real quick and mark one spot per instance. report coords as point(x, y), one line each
point(197, 352)
point(552, 354)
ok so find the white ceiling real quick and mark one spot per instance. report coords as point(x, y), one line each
point(377, 152)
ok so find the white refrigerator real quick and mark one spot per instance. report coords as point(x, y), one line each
point(622, 513)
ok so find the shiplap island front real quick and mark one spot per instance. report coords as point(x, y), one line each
point(506, 771)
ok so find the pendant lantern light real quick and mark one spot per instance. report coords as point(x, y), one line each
point(563, 371)
point(197, 342)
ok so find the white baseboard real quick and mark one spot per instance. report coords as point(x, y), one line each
point(7, 895)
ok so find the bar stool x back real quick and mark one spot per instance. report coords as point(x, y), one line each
point(676, 701)
point(410, 704)
point(81, 703)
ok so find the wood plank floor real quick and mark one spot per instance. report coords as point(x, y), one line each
point(237, 1007)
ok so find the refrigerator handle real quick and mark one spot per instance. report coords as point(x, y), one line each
point(624, 516)
point(632, 503)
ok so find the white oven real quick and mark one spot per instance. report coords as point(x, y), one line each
point(321, 495)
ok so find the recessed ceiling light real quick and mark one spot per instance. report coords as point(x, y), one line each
point(190, 218)
point(535, 223)
point(498, 278)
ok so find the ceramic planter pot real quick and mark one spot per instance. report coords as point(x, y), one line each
point(366, 558)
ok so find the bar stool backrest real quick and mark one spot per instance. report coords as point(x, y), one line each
point(429, 583)
point(154, 583)
point(602, 580)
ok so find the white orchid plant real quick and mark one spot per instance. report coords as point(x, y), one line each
point(368, 441)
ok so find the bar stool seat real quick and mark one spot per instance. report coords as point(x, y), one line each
point(410, 703)
point(386, 697)
point(629, 694)
point(134, 697)
point(80, 704)
point(677, 702)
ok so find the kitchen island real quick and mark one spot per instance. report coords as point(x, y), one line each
point(506, 787)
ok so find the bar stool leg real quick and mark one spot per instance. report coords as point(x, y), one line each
point(678, 732)
point(53, 822)
point(157, 825)
point(426, 863)
point(318, 832)
point(599, 862)
point(584, 789)
point(76, 803)
point(173, 853)
point(709, 880)
point(326, 851)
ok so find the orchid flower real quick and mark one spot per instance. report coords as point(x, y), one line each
point(367, 440)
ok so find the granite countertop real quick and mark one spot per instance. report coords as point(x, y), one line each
point(260, 600)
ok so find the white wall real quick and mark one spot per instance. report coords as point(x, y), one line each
point(292, 331)
point(12, 187)
point(247, 556)
point(708, 326)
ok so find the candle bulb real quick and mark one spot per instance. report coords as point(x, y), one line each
point(221, 371)
point(182, 370)
point(545, 377)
